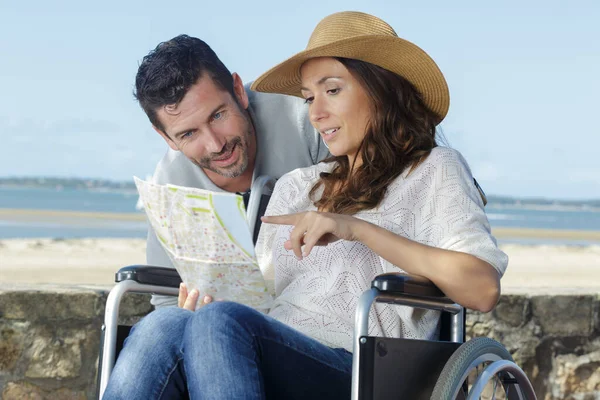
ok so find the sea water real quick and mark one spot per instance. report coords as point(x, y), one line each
point(81, 200)
point(77, 200)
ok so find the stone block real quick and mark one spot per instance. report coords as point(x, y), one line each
point(66, 394)
point(564, 315)
point(27, 391)
point(13, 337)
point(525, 351)
point(56, 353)
point(47, 305)
point(135, 304)
point(22, 391)
point(575, 377)
point(512, 310)
point(478, 324)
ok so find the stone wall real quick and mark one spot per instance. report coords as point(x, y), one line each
point(554, 338)
point(50, 339)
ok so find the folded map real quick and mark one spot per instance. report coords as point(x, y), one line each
point(207, 238)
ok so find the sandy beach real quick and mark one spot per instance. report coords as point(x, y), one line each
point(537, 269)
point(67, 261)
point(91, 261)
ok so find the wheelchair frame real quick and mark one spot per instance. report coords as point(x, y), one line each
point(394, 288)
point(399, 294)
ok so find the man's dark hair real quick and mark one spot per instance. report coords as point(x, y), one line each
point(167, 73)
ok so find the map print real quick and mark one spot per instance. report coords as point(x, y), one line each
point(207, 238)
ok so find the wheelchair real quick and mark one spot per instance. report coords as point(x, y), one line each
point(383, 368)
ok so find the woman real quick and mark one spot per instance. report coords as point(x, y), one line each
point(388, 200)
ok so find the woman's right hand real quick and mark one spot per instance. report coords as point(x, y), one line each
point(189, 300)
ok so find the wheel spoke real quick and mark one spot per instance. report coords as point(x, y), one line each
point(480, 369)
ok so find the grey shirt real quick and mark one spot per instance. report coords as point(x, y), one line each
point(285, 141)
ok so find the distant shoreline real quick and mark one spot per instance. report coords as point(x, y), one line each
point(11, 214)
point(59, 188)
point(543, 207)
point(128, 186)
point(18, 214)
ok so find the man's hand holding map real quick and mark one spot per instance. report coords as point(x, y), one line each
point(207, 238)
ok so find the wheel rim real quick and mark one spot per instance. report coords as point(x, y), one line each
point(479, 362)
point(475, 368)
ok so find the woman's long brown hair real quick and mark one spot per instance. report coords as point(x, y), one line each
point(400, 135)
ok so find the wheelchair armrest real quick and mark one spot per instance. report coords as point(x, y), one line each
point(399, 284)
point(148, 275)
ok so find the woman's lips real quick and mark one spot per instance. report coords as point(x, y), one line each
point(329, 136)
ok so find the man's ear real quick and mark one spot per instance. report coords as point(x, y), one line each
point(240, 91)
point(167, 138)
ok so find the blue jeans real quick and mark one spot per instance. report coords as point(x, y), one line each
point(226, 351)
point(150, 365)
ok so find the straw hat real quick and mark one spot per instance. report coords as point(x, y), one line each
point(361, 36)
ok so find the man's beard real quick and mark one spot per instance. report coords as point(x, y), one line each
point(231, 171)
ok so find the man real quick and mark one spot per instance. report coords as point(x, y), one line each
point(220, 137)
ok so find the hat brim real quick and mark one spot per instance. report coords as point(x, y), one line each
point(392, 53)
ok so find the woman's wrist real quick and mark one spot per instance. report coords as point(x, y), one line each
point(361, 230)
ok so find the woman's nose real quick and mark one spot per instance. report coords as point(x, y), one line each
point(318, 109)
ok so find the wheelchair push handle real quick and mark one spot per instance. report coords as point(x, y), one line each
point(149, 275)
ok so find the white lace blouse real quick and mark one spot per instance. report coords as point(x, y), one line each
point(436, 204)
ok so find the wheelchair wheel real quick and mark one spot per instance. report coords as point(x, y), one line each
point(465, 377)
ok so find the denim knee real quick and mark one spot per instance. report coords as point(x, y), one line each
point(162, 325)
point(148, 363)
point(221, 317)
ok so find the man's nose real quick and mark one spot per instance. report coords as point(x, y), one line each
point(213, 141)
point(318, 109)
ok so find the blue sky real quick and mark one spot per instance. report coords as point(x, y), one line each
point(524, 80)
